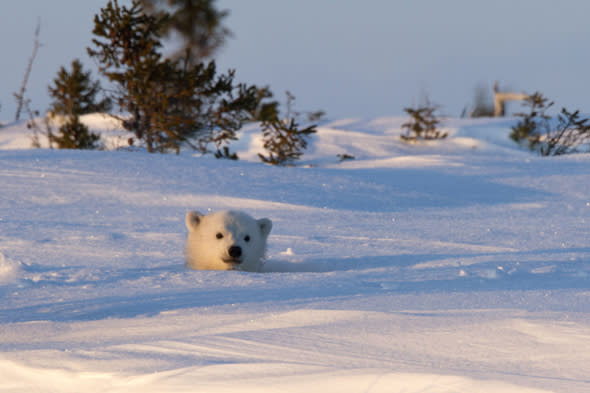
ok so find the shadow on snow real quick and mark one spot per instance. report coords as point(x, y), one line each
point(313, 280)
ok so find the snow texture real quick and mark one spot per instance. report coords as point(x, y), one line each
point(449, 266)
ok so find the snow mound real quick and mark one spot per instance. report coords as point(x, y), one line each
point(8, 269)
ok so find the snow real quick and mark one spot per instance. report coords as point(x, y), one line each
point(450, 266)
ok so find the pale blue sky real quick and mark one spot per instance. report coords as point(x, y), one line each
point(347, 57)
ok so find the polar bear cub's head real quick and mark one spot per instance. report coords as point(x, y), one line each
point(226, 240)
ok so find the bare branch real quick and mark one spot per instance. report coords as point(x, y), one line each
point(20, 96)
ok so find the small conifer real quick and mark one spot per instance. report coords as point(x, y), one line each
point(284, 141)
point(534, 123)
point(422, 125)
point(75, 135)
point(74, 94)
point(537, 130)
point(571, 133)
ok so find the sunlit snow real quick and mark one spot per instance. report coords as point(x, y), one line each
point(459, 265)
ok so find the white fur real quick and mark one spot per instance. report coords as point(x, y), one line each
point(210, 237)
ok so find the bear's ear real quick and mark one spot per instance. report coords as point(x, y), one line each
point(265, 226)
point(193, 219)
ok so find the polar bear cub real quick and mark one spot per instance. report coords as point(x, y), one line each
point(226, 240)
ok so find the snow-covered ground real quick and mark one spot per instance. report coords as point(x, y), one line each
point(453, 266)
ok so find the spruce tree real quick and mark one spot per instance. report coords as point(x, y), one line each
point(265, 108)
point(170, 102)
point(75, 135)
point(284, 141)
point(74, 94)
point(198, 23)
point(422, 125)
point(571, 132)
point(533, 124)
point(541, 134)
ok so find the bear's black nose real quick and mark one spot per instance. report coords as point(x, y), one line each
point(235, 251)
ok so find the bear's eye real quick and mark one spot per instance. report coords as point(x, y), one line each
point(219, 235)
point(247, 238)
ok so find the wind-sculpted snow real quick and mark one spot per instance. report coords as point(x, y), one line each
point(452, 266)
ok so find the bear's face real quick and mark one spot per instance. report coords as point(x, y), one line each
point(226, 240)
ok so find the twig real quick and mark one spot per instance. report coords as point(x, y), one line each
point(20, 96)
